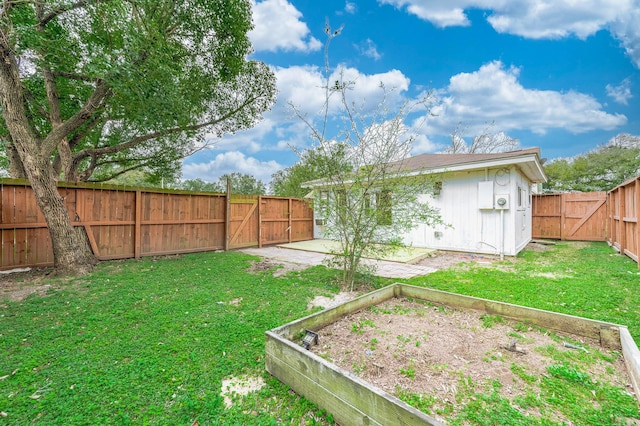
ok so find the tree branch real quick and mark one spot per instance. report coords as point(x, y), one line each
point(94, 102)
point(62, 9)
point(72, 76)
point(154, 135)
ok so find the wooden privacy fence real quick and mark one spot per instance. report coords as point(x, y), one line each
point(125, 223)
point(623, 204)
point(592, 216)
point(571, 216)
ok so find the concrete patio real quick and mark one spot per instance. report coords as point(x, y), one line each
point(314, 252)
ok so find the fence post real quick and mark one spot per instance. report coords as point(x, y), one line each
point(227, 217)
point(290, 207)
point(259, 221)
point(636, 194)
point(562, 216)
point(137, 242)
point(621, 224)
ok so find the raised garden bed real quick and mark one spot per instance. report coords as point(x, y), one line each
point(342, 381)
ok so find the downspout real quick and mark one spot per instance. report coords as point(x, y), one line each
point(501, 234)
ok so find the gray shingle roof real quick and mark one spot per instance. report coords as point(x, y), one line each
point(438, 161)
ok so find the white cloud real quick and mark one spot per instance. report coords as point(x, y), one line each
point(627, 30)
point(423, 145)
point(246, 139)
point(493, 93)
point(620, 93)
point(555, 18)
point(350, 7)
point(303, 87)
point(230, 162)
point(442, 13)
point(539, 19)
point(369, 49)
point(300, 86)
point(278, 27)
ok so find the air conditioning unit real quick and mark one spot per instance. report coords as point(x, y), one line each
point(501, 202)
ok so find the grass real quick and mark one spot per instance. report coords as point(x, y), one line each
point(587, 280)
point(584, 279)
point(150, 341)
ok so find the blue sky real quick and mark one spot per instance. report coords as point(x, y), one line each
point(556, 74)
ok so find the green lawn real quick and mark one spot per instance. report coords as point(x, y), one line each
point(583, 279)
point(150, 341)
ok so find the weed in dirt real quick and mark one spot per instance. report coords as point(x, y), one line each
point(359, 327)
point(373, 344)
point(521, 372)
point(424, 403)
point(410, 370)
point(489, 321)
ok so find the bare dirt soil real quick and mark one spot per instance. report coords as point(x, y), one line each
point(448, 259)
point(404, 345)
point(16, 286)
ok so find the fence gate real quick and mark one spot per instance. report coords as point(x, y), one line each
point(574, 216)
point(244, 221)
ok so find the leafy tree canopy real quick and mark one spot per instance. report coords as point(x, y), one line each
point(90, 90)
point(313, 163)
point(130, 84)
point(240, 184)
point(599, 170)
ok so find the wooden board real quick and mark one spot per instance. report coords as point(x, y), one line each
point(574, 216)
point(353, 401)
point(123, 222)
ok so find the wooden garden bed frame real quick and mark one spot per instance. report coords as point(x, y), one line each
point(353, 401)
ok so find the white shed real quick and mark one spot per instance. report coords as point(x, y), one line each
point(484, 198)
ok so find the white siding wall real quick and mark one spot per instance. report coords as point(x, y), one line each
point(473, 229)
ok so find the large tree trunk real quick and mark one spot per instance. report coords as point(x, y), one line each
point(71, 252)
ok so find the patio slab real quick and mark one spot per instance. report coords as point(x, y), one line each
point(384, 268)
point(402, 255)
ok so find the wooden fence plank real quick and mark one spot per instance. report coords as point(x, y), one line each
point(132, 222)
point(572, 216)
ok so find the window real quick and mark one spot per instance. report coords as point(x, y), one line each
point(437, 188)
point(523, 198)
point(383, 207)
point(321, 209)
point(341, 198)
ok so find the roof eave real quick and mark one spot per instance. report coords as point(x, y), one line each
point(535, 173)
